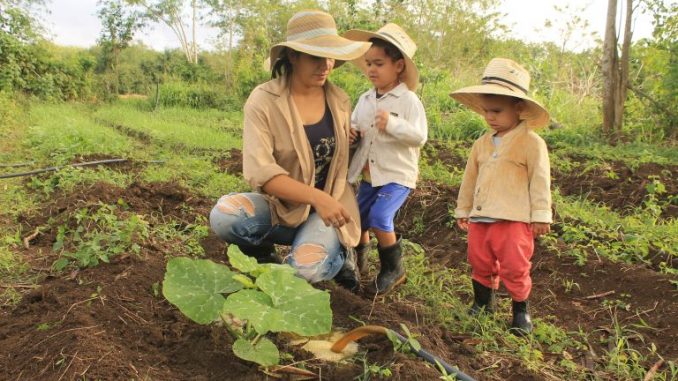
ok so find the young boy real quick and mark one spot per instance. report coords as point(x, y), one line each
point(504, 199)
point(390, 122)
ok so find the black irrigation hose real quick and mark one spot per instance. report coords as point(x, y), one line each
point(360, 332)
point(87, 164)
point(436, 361)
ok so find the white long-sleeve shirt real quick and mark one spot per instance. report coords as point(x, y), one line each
point(392, 155)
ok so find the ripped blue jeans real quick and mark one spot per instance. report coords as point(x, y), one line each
point(244, 219)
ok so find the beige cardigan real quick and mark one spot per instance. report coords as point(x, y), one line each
point(514, 185)
point(275, 143)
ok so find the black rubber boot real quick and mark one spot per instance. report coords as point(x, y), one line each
point(483, 299)
point(349, 277)
point(362, 251)
point(522, 323)
point(392, 272)
point(264, 253)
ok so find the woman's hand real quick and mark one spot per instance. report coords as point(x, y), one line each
point(330, 210)
point(381, 120)
point(463, 224)
point(540, 228)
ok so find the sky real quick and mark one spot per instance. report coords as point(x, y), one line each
point(75, 23)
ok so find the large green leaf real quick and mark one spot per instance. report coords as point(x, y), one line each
point(255, 307)
point(240, 261)
point(196, 286)
point(247, 264)
point(286, 303)
point(305, 309)
point(264, 352)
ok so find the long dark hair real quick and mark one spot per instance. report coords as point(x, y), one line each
point(282, 65)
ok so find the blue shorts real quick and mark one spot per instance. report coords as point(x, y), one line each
point(379, 205)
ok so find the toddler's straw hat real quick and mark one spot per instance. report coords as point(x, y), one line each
point(503, 76)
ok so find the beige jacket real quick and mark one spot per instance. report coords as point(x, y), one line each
point(275, 143)
point(512, 185)
point(393, 155)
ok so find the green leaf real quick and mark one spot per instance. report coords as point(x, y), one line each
point(305, 310)
point(255, 307)
point(264, 352)
point(286, 303)
point(60, 264)
point(196, 286)
point(240, 261)
point(244, 280)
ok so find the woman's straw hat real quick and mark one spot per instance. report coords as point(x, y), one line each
point(503, 76)
point(315, 32)
point(395, 35)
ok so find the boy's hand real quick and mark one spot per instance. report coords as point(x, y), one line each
point(463, 224)
point(540, 228)
point(381, 120)
point(353, 136)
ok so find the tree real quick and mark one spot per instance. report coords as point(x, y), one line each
point(170, 13)
point(615, 69)
point(118, 28)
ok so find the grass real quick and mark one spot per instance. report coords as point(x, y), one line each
point(60, 133)
point(193, 131)
point(587, 229)
point(189, 141)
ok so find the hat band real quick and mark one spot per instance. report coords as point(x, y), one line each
point(393, 40)
point(307, 35)
point(506, 81)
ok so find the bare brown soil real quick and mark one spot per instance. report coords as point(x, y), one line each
point(110, 322)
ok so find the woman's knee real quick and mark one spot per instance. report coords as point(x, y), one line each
point(230, 212)
point(314, 262)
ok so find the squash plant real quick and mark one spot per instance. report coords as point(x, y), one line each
point(256, 300)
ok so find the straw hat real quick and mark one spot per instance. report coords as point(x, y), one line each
point(315, 32)
point(395, 35)
point(503, 76)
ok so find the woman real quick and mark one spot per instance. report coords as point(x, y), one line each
point(295, 157)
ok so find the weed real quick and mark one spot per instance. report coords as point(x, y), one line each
point(99, 236)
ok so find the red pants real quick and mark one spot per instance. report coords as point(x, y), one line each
point(502, 251)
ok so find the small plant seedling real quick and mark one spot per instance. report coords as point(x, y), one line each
point(411, 345)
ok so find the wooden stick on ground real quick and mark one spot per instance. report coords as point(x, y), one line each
point(27, 239)
point(596, 296)
point(653, 370)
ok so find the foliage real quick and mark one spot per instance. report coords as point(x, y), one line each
point(268, 298)
point(118, 30)
point(98, 236)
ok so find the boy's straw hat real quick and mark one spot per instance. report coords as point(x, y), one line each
point(395, 35)
point(503, 76)
point(315, 32)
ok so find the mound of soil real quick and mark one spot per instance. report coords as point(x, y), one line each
point(111, 321)
point(592, 298)
point(619, 186)
point(230, 163)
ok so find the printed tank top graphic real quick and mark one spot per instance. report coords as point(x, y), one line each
point(322, 140)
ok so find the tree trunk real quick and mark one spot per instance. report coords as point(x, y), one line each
point(609, 68)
